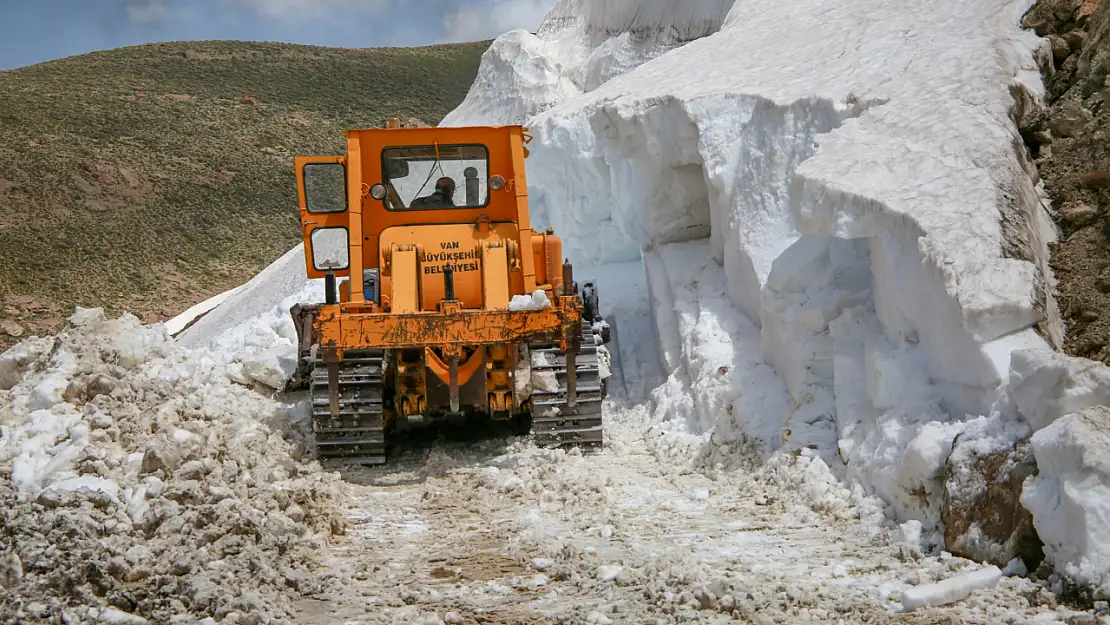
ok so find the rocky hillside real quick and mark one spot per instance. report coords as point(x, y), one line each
point(150, 178)
point(1070, 141)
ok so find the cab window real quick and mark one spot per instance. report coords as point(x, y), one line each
point(427, 177)
point(325, 187)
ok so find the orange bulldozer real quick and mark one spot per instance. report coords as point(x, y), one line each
point(440, 298)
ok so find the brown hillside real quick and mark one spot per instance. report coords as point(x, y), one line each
point(150, 178)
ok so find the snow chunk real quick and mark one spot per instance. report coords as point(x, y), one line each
point(1046, 385)
point(952, 589)
point(117, 617)
point(15, 358)
point(608, 572)
point(536, 301)
point(1070, 495)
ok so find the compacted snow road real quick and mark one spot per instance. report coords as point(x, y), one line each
point(497, 531)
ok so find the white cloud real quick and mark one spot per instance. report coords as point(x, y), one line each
point(312, 9)
point(486, 19)
point(147, 12)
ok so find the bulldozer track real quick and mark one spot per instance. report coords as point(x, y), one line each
point(357, 436)
point(554, 422)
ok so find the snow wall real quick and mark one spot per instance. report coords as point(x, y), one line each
point(843, 236)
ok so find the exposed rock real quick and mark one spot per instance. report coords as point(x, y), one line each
point(11, 328)
point(1096, 180)
point(159, 459)
point(413, 122)
point(1065, 9)
point(1060, 48)
point(1075, 40)
point(1070, 120)
point(1079, 214)
point(1043, 137)
point(982, 512)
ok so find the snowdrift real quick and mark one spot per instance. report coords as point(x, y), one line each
point(139, 475)
point(843, 236)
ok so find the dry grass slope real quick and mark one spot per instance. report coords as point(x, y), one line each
point(150, 178)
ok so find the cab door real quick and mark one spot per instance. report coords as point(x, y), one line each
point(325, 220)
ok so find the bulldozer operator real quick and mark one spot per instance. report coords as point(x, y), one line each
point(443, 197)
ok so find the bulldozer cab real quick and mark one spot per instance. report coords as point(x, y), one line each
point(424, 240)
point(446, 193)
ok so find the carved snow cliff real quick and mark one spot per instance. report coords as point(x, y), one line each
point(843, 237)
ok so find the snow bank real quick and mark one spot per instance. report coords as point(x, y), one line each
point(251, 329)
point(282, 281)
point(164, 481)
point(180, 322)
point(843, 240)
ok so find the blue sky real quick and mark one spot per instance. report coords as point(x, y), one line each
point(32, 31)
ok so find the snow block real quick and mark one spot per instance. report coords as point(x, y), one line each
point(1070, 496)
point(1045, 385)
point(772, 162)
point(950, 590)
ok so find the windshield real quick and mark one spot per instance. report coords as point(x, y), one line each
point(424, 177)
